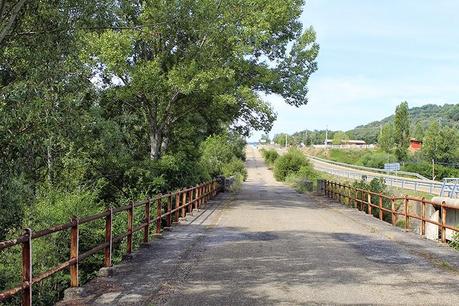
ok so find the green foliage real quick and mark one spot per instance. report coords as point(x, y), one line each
point(346, 156)
point(235, 167)
point(376, 159)
point(218, 152)
point(455, 242)
point(401, 131)
point(376, 185)
point(448, 114)
point(386, 139)
point(425, 169)
point(441, 143)
point(281, 139)
point(340, 137)
point(289, 163)
point(270, 156)
point(104, 101)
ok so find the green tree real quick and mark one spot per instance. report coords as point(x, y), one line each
point(340, 137)
point(281, 139)
point(386, 138)
point(205, 58)
point(440, 143)
point(418, 131)
point(401, 131)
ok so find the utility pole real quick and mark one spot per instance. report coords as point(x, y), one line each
point(433, 169)
point(326, 136)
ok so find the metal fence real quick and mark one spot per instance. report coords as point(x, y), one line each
point(389, 208)
point(416, 185)
point(168, 207)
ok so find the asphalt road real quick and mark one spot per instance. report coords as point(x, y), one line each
point(269, 245)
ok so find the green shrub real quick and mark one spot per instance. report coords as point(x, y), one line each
point(425, 169)
point(269, 156)
point(289, 163)
point(455, 242)
point(235, 167)
point(376, 159)
point(376, 185)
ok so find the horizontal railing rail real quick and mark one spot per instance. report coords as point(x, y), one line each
point(184, 200)
point(416, 185)
point(399, 206)
point(369, 169)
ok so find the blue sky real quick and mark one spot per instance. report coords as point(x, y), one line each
point(373, 55)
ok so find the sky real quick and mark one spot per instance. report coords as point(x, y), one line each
point(374, 55)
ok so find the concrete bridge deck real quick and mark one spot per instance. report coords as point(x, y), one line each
point(270, 245)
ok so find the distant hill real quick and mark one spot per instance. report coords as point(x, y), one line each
point(447, 114)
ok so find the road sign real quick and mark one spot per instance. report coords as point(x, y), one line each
point(392, 167)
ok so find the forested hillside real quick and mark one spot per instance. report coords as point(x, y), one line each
point(106, 101)
point(447, 115)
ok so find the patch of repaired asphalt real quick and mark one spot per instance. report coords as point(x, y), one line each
point(381, 251)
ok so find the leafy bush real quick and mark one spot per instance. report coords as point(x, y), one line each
point(376, 159)
point(235, 167)
point(269, 156)
point(455, 242)
point(289, 163)
point(425, 169)
point(219, 153)
point(376, 185)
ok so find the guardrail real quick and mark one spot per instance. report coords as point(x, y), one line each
point(388, 208)
point(184, 200)
point(416, 185)
point(369, 169)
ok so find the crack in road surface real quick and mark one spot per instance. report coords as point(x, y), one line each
point(270, 245)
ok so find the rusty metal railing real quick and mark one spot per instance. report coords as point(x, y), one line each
point(399, 206)
point(185, 201)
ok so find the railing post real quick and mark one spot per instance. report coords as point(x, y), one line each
point(394, 214)
point(130, 224)
point(177, 205)
point(108, 238)
point(169, 209)
point(158, 214)
point(196, 189)
point(407, 219)
point(355, 197)
point(190, 201)
point(184, 204)
point(27, 268)
point(146, 229)
point(369, 208)
point(380, 206)
point(443, 222)
point(339, 193)
point(423, 217)
point(74, 246)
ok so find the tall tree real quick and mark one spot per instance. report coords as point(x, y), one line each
point(176, 59)
point(386, 138)
point(401, 131)
point(440, 143)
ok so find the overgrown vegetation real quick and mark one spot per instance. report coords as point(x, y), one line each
point(376, 185)
point(270, 156)
point(107, 101)
point(292, 167)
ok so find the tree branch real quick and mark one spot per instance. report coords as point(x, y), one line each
point(8, 23)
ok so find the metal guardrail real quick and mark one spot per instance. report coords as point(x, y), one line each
point(160, 207)
point(367, 168)
point(416, 185)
